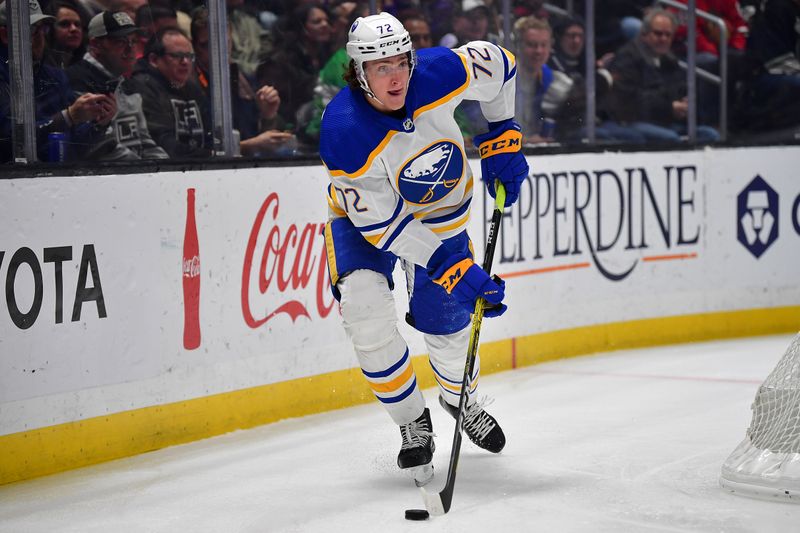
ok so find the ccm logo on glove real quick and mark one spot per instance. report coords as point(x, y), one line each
point(502, 158)
point(510, 141)
point(466, 282)
point(454, 274)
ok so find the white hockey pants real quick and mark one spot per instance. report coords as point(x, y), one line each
point(370, 319)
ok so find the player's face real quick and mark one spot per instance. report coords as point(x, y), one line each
point(388, 80)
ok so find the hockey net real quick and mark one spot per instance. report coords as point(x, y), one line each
point(767, 462)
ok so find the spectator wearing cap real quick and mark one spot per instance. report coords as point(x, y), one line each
point(112, 38)
point(174, 105)
point(82, 119)
point(128, 6)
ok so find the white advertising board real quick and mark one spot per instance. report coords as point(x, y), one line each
point(93, 269)
point(599, 238)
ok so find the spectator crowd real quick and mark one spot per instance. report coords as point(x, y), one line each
point(117, 80)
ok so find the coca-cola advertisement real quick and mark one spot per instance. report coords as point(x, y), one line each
point(265, 301)
point(286, 265)
point(191, 277)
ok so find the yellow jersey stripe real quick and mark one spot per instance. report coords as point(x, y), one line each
point(329, 248)
point(446, 98)
point(338, 211)
point(462, 221)
point(375, 239)
point(370, 159)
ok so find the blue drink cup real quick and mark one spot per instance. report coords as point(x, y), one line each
point(57, 147)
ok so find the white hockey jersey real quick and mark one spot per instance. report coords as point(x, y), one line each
point(405, 183)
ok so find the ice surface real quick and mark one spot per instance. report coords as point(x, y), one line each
point(623, 441)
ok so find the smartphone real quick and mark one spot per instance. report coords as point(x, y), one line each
point(110, 87)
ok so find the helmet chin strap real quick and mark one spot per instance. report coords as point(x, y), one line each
point(362, 80)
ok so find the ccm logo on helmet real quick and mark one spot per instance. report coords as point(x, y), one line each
point(390, 43)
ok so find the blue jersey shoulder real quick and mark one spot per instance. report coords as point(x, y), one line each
point(349, 132)
point(439, 73)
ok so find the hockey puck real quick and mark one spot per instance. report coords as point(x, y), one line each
point(417, 514)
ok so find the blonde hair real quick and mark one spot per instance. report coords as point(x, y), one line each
point(530, 22)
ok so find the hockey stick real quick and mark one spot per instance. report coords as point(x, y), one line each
point(438, 503)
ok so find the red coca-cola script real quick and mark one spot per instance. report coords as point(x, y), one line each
point(286, 268)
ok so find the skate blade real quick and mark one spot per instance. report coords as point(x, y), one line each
point(422, 474)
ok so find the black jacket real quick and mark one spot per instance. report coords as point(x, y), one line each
point(644, 88)
point(178, 118)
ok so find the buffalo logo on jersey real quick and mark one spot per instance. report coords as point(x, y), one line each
point(431, 174)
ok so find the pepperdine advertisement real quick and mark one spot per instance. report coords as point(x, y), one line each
point(123, 292)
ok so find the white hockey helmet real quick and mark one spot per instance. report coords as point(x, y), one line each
point(376, 37)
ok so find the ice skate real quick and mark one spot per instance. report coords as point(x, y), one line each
point(416, 452)
point(481, 427)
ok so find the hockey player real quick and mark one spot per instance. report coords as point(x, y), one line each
point(401, 188)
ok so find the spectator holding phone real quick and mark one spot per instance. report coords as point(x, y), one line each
point(82, 120)
point(112, 39)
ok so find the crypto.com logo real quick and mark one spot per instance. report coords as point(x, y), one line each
point(757, 215)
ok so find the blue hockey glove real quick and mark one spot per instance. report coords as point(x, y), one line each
point(502, 159)
point(466, 281)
